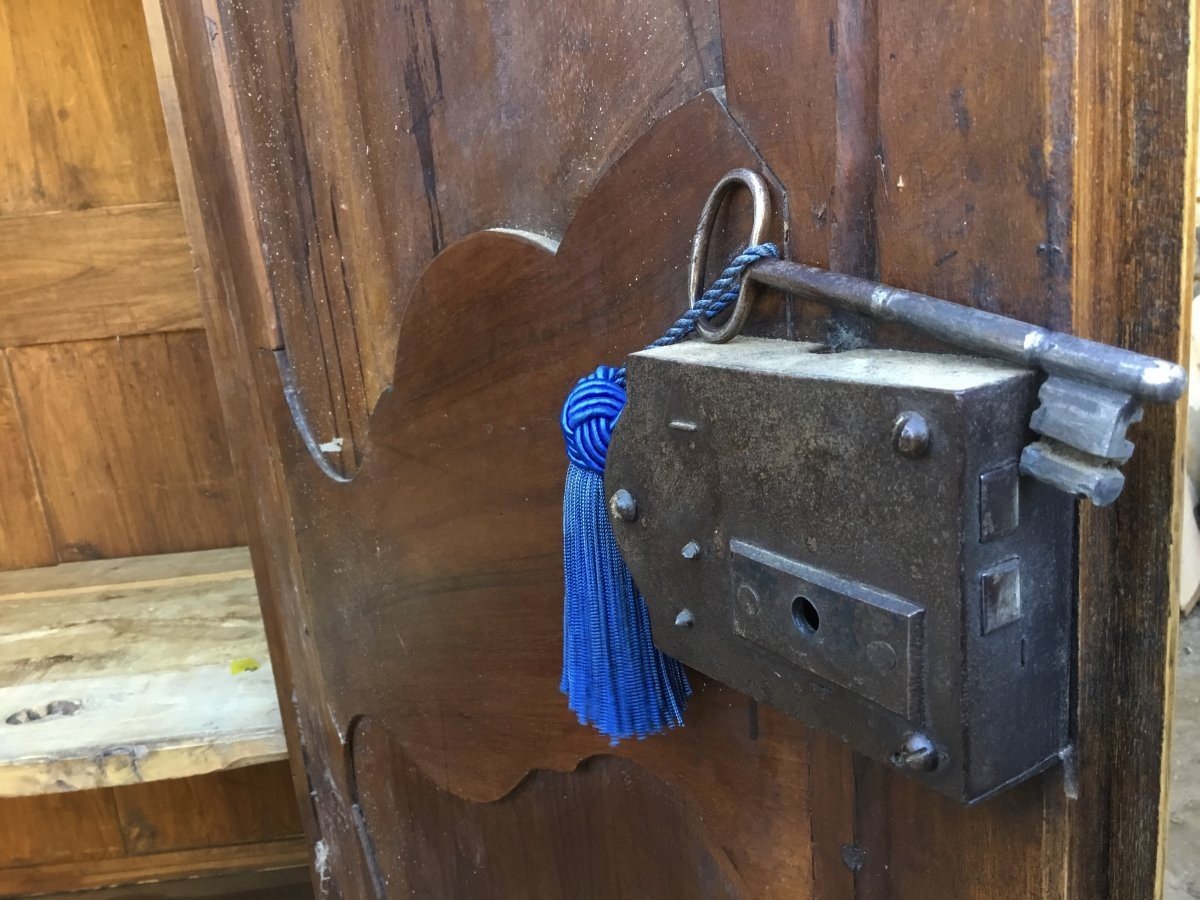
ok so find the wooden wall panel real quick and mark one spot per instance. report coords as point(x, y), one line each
point(129, 445)
point(24, 535)
point(236, 806)
point(81, 874)
point(99, 273)
point(59, 828)
point(80, 110)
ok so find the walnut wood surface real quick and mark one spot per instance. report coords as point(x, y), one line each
point(111, 272)
point(414, 611)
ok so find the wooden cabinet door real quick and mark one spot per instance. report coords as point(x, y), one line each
point(419, 222)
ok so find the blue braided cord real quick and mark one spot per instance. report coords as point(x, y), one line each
point(720, 294)
point(614, 677)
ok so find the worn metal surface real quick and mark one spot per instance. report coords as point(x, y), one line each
point(839, 579)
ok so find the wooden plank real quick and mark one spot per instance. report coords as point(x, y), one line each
point(145, 572)
point(82, 126)
point(226, 227)
point(71, 876)
point(1134, 248)
point(129, 445)
point(130, 680)
point(281, 884)
point(24, 533)
point(76, 830)
point(228, 807)
point(95, 274)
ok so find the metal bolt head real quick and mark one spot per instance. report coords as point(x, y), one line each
point(910, 435)
point(623, 506)
point(685, 619)
point(690, 550)
point(917, 755)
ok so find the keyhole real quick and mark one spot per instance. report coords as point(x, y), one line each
point(805, 615)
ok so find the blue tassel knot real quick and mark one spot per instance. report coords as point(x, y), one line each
point(614, 677)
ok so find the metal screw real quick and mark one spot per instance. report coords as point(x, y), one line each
point(917, 755)
point(623, 505)
point(685, 619)
point(690, 550)
point(910, 435)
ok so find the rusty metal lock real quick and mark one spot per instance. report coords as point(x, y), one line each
point(848, 537)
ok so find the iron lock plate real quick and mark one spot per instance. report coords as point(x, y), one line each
point(847, 537)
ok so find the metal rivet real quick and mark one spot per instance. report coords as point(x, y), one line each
point(917, 755)
point(910, 435)
point(747, 600)
point(623, 505)
point(853, 856)
point(690, 550)
point(685, 619)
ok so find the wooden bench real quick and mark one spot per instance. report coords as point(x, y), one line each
point(122, 671)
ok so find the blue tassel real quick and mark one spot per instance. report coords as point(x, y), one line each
point(614, 677)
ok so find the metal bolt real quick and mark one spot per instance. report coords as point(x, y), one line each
point(917, 755)
point(685, 619)
point(623, 505)
point(910, 435)
point(690, 550)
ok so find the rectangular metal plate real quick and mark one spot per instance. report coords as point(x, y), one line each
point(857, 637)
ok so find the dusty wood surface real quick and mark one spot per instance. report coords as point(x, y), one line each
point(417, 607)
point(113, 444)
point(119, 672)
point(72, 276)
point(126, 436)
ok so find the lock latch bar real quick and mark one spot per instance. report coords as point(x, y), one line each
point(1087, 404)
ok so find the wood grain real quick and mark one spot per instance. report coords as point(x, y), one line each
point(126, 435)
point(428, 113)
point(141, 649)
point(228, 227)
point(219, 808)
point(82, 126)
point(24, 533)
point(1134, 247)
point(70, 875)
point(281, 884)
point(554, 835)
point(99, 273)
point(58, 829)
point(475, 399)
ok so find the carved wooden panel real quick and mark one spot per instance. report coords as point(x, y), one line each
point(464, 209)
